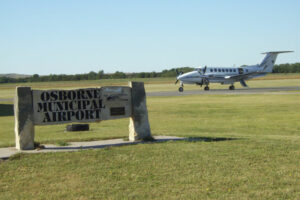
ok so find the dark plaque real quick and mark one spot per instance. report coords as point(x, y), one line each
point(117, 111)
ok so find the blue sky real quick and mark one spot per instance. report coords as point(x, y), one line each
point(55, 37)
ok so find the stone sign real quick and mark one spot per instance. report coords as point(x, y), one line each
point(82, 105)
point(49, 107)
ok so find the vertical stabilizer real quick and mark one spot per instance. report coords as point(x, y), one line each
point(268, 62)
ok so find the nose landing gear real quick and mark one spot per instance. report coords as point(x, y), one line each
point(180, 89)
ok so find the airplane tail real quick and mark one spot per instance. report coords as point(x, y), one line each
point(268, 62)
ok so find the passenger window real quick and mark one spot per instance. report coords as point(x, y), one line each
point(230, 70)
point(211, 70)
point(226, 70)
point(215, 70)
point(219, 70)
point(234, 70)
point(223, 70)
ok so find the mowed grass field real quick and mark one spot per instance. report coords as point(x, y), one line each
point(238, 147)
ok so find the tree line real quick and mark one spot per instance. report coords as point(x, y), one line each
point(287, 68)
point(282, 68)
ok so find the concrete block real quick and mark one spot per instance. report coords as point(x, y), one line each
point(139, 128)
point(24, 125)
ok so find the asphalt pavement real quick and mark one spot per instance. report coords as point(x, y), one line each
point(240, 91)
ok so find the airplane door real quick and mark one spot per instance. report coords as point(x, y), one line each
point(241, 70)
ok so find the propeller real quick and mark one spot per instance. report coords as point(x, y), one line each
point(203, 80)
point(178, 74)
point(204, 70)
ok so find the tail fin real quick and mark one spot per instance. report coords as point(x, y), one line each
point(268, 62)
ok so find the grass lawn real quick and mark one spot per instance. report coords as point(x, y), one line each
point(252, 168)
point(217, 115)
point(257, 155)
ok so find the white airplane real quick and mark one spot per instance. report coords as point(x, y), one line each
point(228, 75)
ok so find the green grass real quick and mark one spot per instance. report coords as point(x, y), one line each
point(220, 115)
point(243, 147)
point(62, 143)
point(230, 169)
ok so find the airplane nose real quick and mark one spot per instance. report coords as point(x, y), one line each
point(179, 77)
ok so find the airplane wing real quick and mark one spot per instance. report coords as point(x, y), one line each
point(243, 76)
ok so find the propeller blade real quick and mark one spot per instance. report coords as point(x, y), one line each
point(176, 81)
point(177, 72)
point(204, 70)
point(201, 83)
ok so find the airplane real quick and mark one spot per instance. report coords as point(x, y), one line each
point(228, 75)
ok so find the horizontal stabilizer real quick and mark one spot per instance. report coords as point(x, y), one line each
point(275, 52)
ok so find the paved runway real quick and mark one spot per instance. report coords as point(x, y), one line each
point(272, 90)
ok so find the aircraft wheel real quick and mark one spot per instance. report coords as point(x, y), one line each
point(231, 87)
point(180, 89)
point(206, 88)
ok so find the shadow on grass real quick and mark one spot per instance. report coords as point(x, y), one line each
point(6, 110)
point(209, 139)
point(123, 143)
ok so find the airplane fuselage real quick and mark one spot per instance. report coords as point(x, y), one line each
point(219, 74)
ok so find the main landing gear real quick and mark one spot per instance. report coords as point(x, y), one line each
point(231, 87)
point(206, 88)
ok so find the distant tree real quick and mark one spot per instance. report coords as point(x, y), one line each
point(118, 75)
point(100, 74)
point(35, 78)
point(141, 75)
point(282, 68)
point(287, 68)
point(92, 75)
point(153, 74)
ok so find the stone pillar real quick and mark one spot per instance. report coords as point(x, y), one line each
point(24, 126)
point(139, 128)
